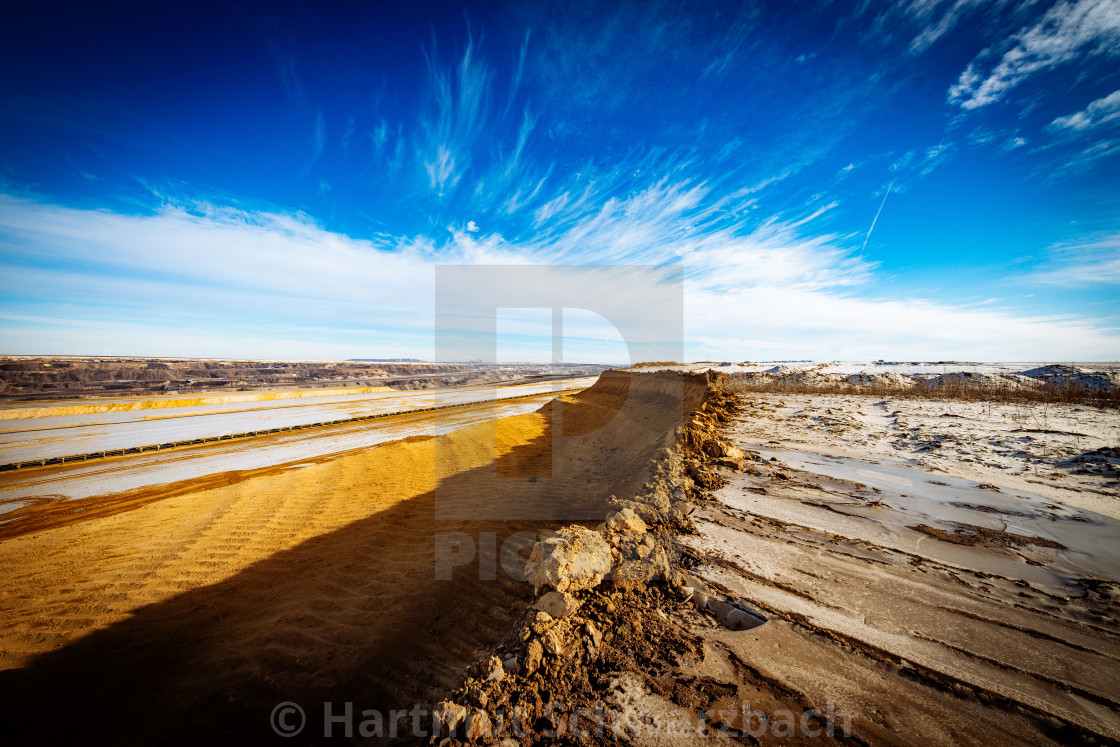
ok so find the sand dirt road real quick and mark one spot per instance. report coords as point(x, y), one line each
point(196, 613)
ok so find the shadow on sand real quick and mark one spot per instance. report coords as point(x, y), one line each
point(352, 615)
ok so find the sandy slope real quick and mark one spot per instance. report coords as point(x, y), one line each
point(197, 613)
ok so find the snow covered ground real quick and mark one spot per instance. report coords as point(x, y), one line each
point(1098, 376)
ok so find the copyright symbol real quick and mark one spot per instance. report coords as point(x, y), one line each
point(287, 719)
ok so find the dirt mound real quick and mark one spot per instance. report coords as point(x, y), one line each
point(883, 380)
point(654, 364)
point(810, 378)
point(1046, 384)
point(1057, 375)
point(978, 380)
point(1051, 371)
point(575, 669)
point(1104, 461)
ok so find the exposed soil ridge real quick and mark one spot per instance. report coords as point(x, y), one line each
point(570, 668)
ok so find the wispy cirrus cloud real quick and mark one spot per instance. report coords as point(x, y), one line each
point(938, 18)
point(318, 142)
point(1092, 262)
point(457, 117)
point(519, 72)
point(1103, 111)
point(925, 22)
point(732, 41)
point(379, 136)
point(681, 221)
point(207, 279)
point(1070, 30)
point(1086, 129)
point(1012, 143)
point(284, 60)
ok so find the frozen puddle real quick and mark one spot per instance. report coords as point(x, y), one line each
point(945, 518)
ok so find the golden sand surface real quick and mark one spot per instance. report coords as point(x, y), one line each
point(205, 604)
point(63, 583)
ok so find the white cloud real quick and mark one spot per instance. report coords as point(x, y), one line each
point(380, 136)
point(1012, 143)
point(767, 323)
point(1099, 112)
point(204, 279)
point(519, 71)
point(348, 133)
point(926, 11)
point(441, 170)
point(933, 157)
point(209, 267)
point(318, 140)
point(456, 119)
point(981, 136)
point(1078, 265)
point(1068, 31)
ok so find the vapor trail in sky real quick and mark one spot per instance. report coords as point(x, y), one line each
point(877, 214)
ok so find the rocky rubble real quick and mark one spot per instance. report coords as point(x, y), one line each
point(599, 614)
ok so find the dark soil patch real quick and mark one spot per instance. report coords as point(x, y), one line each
point(968, 534)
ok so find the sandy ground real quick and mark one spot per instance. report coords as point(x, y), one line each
point(941, 572)
point(195, 613)
point(27, 494)
point(1063, 452)
point(817, 597)
point(923, 572)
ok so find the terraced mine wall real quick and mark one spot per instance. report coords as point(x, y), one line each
point(34, 378)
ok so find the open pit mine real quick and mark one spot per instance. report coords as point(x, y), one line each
point(657, 555)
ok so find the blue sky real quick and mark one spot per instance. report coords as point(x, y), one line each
point(924, 179)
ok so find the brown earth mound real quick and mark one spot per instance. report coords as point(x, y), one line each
point(607, 664)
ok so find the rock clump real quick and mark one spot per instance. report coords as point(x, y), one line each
point(575, 558)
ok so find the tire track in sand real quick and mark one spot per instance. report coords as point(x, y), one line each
point(197, 613)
